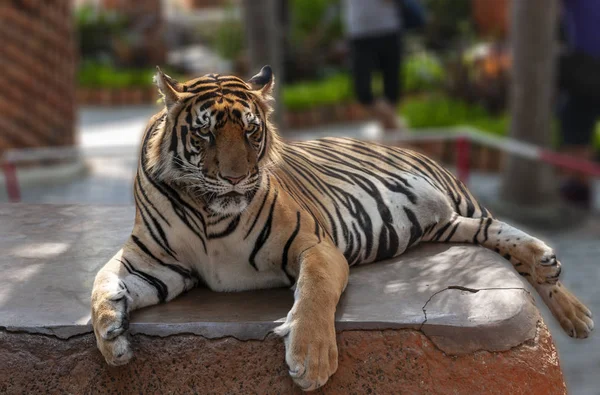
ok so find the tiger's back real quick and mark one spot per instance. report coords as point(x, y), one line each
point(375, 200)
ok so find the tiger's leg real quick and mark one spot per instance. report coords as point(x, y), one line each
point(309, 329)
point(128, 282)
point(531, 257)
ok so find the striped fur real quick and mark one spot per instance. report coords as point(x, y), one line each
point(222, 200)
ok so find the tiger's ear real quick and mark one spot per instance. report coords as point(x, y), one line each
point(263, 82)
point(169, 88)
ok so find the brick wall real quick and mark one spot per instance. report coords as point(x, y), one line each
point(37, 74)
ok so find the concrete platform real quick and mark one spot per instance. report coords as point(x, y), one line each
point(456, 301)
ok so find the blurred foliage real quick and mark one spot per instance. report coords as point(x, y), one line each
point(438, 110)
point(315, 17)
point(228, 40)
point(430, 111)
point(96, 31)
point(97, 75)
point(305, 95)
point(481, 74)
point(422, 72)
point(449, 20)
point(313, 32)
point(101, 75)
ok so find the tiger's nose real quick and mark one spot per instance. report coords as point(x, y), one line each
point(233, 180)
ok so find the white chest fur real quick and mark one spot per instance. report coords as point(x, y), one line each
point(227, 268)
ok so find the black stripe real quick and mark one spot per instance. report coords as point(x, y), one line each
point(478, 231)
point(264, 234)
point(441, 231)
point(239, 94)
point(231, 227)
point(286, 249)
point(452, 232)
point(429, 228)
point(202, 80)
point(485, 231)
point(143, 191)
point(235, 85)
point(415, 229)
point(470, 206)
point(208, 95)
point(262, 205)
point(164, 242)
point(162, 290)
point(183, 272)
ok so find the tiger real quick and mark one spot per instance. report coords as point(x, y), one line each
point(222, 200)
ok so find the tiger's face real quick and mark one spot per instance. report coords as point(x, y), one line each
point(220, 137)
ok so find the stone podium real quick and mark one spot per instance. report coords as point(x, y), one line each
point(440, 319)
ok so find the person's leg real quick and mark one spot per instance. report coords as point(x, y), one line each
point(578, 117)
point(362, 66)
point(389, 60)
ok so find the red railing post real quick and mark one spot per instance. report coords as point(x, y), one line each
point(463, 158)
point(11, 182)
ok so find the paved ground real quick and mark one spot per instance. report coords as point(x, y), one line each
point(110, 182)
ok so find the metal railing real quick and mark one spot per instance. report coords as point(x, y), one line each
point(462, 137)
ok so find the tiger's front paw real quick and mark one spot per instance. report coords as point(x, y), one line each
point(116, 351)
point(311, 351)
point(110, 319)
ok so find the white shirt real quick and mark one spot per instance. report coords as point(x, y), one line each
point(366, 18)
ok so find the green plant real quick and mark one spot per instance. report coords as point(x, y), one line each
point(310, 37)
point(431, 111)
point(422, 72)
point(96, 30)
point(448, 20)
point(304, 95)
point(229, 37)
point(310, 17)
point(596, 137)
point(98, 75)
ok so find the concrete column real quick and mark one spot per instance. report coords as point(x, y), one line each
point(533, 38)
point(264, 35)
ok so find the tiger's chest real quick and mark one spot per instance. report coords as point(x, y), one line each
point(236, 265)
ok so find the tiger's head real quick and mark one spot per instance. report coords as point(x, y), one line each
point(215, 140)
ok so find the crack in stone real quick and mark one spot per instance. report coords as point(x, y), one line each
point(461, 288)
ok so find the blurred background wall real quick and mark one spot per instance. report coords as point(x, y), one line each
point(38, 59)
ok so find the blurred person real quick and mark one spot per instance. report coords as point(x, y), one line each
point(375, 31)
point(579, 80)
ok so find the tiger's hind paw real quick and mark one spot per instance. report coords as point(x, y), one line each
point(574, 317)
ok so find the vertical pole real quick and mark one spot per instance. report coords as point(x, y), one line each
point(264, 35)
point(11, 182)
point(525, 182)
point(463, 158)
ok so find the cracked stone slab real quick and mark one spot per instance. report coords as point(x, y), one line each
point(464, 298)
